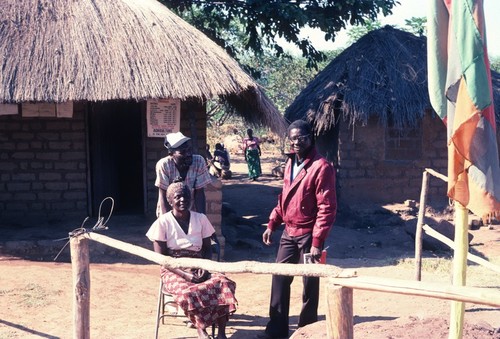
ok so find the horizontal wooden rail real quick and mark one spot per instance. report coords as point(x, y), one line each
point(475, 295)
point(337, 276)
point(437, 174)
point(239, 267)
point(474, 258)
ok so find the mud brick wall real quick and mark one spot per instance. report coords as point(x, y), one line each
point(43, 166)
point(369, 173)
point(213, 194)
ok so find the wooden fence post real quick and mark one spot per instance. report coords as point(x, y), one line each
point(339, 313)
point(420, 222)
point(81, 287)
point(460, 250)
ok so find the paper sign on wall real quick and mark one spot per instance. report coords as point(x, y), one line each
point(163, 116)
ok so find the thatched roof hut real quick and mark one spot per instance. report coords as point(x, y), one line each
point(383, 75)
point(383, 72)
point(373, 119)
point(99, 50)
point(88, 88)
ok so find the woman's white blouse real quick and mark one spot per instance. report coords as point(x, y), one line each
point(167, 229)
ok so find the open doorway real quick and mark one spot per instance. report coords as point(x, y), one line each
point(116, 160)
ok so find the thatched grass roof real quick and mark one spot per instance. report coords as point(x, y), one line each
point(383, 74)
point(98, 50)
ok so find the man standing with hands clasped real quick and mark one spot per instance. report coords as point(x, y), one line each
point(181, 164)
point(307, 206)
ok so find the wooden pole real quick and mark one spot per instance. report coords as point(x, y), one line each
point(339, 313)
point(437, 174)
point(347, 278)
point(420, 222)
point(459, 269)
point(81, 287)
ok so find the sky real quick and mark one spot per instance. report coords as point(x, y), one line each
point(418, 8)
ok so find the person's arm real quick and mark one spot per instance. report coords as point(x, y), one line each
point(245, 148)
point(162, 202)
point(160, 247)
point(326, 200)
point(275, 220)
point(206, 248)
point(199, 200)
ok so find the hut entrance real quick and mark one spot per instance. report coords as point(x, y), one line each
point(115, 147)
point(327, 144)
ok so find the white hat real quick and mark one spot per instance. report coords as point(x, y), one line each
point(174, 140)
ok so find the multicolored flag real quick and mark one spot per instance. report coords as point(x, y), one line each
point(461, 93)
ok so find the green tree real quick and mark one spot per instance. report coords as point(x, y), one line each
point(358, 31)
point(495, 63)
point(283, 79)
point(416, 25)
point(262, 21)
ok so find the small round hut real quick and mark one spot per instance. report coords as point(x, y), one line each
point(372, 117)
point(88, 89)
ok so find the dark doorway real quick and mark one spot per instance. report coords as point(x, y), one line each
point(115, 140)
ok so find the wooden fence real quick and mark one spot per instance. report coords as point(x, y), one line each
point(339, 294)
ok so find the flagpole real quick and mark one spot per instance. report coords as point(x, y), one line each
point(459, 268)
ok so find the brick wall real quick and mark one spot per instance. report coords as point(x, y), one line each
point(365, 174)
point(213, 193)
point(44, 171)
point(43, 166)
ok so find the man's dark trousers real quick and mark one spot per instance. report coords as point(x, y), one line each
point(291, 250)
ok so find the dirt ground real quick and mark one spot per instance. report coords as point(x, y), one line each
point(36, 294)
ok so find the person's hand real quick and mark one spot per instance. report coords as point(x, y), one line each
point(316, 254)
point(267, 237)
point(199, 275)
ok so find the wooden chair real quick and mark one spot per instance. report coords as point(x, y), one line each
point(165, 299)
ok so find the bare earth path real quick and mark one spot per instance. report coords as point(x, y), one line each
point(36, 301)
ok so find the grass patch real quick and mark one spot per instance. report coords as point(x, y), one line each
point(33, 295)
point(432, 265)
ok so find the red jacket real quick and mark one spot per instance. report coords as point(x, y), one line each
point(309, 203)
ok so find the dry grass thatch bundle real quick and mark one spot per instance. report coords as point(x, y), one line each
point(97, 50)
point(383, 74)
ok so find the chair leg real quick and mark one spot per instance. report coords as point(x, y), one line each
point(160, 310)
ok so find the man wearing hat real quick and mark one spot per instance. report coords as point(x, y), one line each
point(181, 163)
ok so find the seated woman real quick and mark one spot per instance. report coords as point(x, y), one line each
point(221, 162)
point(205, 298)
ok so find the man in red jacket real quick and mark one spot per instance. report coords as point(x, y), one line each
point(307, 206)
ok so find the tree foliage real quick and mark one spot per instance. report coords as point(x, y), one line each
point(495, 63)
point(262, 21)
point(416, 25)
point(357, 32)
point(283, 78)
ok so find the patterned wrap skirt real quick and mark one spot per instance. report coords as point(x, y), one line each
point(253, 162)
point(205, 302)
